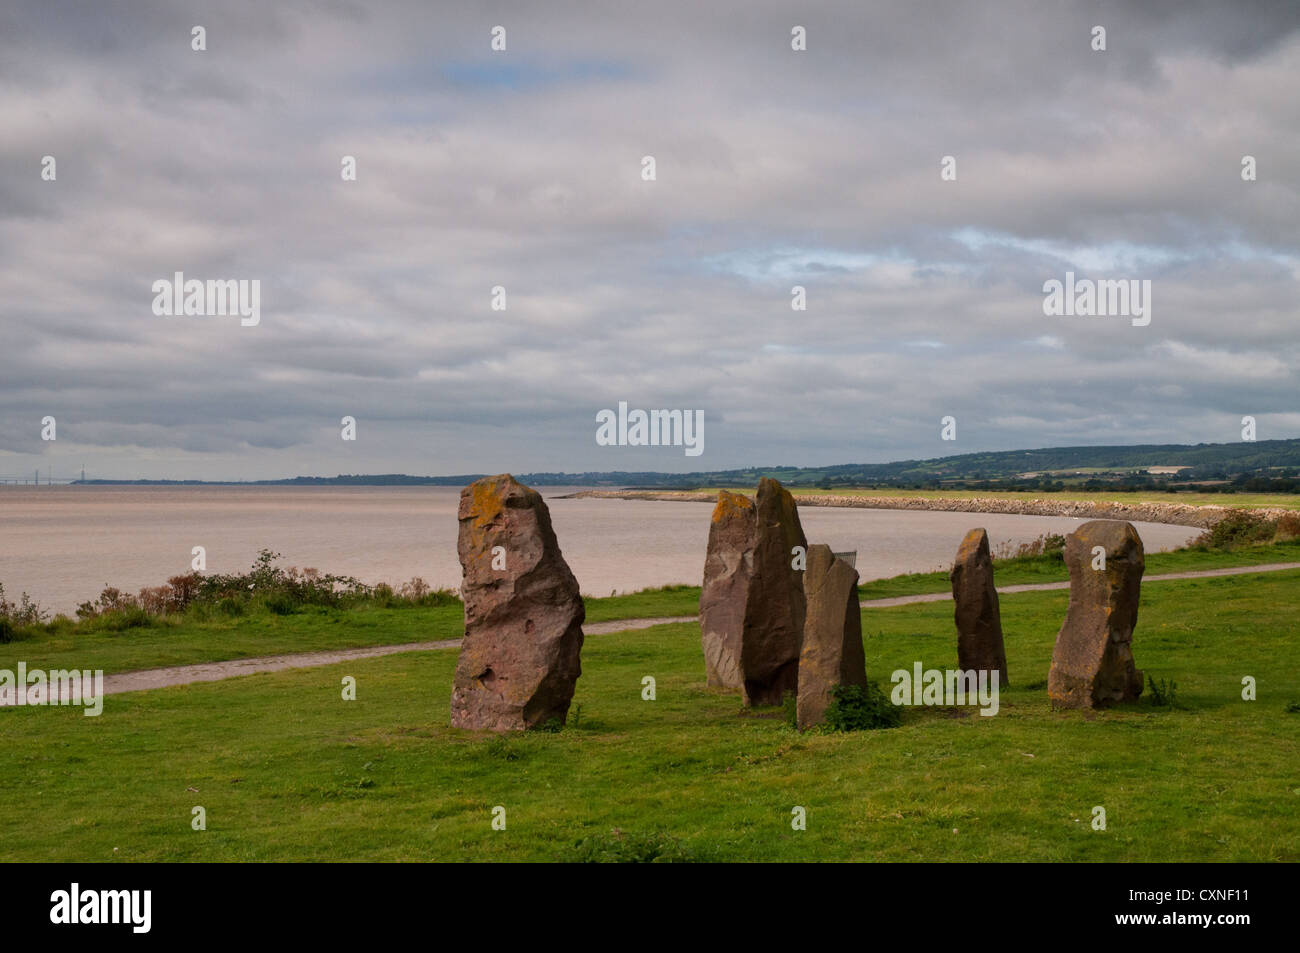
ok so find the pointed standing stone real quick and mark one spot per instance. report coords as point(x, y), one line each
point(728, 568)
point(1092, 663)
point(975, 608)
point(752, 604)
point(519, 662)
point(774, 616)
point(832, 652)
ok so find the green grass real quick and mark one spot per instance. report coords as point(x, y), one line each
point(286, 770)
point(1040, 569)
point(647, 604)
point(209, 637)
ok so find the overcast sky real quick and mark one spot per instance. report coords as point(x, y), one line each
point(523, 169)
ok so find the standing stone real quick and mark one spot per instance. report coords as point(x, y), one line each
point(519, 662)
point(1092, 664)
point(728, 569)
point(832, 652)
point(975, 608)
point(774, 615)
point(752, 605)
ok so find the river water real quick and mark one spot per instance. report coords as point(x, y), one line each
point(63, 544)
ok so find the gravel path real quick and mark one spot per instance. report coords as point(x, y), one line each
point(217, 671)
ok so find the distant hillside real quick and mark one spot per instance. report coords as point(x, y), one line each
point(1260, 466)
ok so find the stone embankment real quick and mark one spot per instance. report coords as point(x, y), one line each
point(1177, 514)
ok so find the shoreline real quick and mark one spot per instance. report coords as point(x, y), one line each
point(1175, 514)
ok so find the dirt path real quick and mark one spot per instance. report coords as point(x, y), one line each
point(145, 679)
point(217, 671)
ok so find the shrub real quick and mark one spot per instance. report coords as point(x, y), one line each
point(855, 708)
point(266, 585)
point(111, 599)
point(26, 612)
point(1237, 528)
point(1048, 544)
point(6, 631)
point(1288, 527)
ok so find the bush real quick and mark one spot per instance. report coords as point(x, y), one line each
point(1288, 527)
point(26, 612)
point(267, 585)
point(1237, 528)
point(1049, 544)
point(855, 708)
point(6, 631)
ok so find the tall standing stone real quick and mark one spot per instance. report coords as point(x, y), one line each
point(832, 652)
point(975, 608)
point(752, 605)
point(728, 569)
point(774, 615)
point(519, 662)
point(1092, 664)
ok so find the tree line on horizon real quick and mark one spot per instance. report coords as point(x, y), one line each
point(1265, 466)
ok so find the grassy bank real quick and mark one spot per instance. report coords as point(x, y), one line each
point(194, 637)
point(1039, 569)
point(122, 641)
point(286, 770)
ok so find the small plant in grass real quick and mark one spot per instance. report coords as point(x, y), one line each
point(502, 748)
point(790, 709)
point(619, 847)
point(552, 726)
point(1293, 708)
point(1163, 694)
point(858, 708)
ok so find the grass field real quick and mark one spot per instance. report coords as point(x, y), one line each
point(287, 770)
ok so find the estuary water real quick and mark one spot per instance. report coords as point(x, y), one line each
point(63, 544)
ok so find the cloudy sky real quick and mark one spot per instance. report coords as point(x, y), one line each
point(523, 169)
